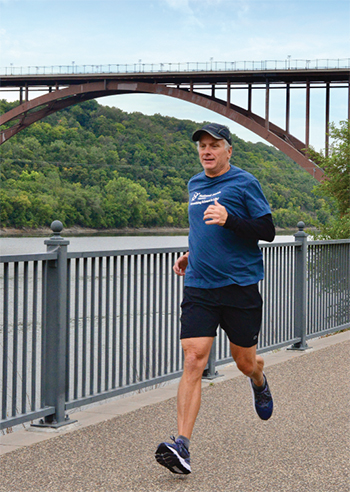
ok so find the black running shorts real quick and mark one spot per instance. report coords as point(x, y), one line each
point(237, 309)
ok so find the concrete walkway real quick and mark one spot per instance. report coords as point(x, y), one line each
point(304, 447)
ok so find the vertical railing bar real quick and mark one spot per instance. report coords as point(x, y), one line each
point(148, 316)
point(34, 334)
point(339, 284)
point(166, 313)
point(279, 297)
point(43, 331)
point(284, 294)
point(114, 322)
point(25, 337)
point(68, 337)
point(154, 317)
point(220, 337)
point(99, 325)
point(287, 268)
point(76, 328)
point(263, 290)
point(290, 291)
point(178, 324)
point(142, 290)
point(316, 289)
point(135, 341)
point(332, 283)
point(172, 311)
point(345, 276)
point(320, 285)
point(280, 317)
point(160, 315)
point(121, 330)
point(5, 342)
point(15, 339)
point(84, 333)
point(328, 287)
point(92, 326)
point(274, 253)
point(324, 289)
point(107, 323)
point(128, 314)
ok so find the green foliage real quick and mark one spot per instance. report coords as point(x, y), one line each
point(97, 166)
point(333, 218)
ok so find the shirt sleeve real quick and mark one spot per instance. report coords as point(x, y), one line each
point(255, 200)
point(260, 228)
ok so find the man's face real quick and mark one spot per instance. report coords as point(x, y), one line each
point(214, 155)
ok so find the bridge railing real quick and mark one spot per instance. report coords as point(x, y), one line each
point(215, 66)
point(81, 327)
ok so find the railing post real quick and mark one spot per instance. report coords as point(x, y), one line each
point(209, 371)
point(54, 364)
point(300, 289)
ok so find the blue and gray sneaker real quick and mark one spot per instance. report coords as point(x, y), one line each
point(263, 402)
point(175, 457)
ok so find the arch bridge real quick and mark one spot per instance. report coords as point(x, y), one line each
point(207, 85)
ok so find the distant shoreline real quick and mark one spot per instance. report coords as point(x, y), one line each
point(86, 231)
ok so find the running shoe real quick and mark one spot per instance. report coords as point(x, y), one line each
point(263, 402)
point(174, 456)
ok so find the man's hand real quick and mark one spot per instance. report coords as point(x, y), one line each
point(215, 214)
point(181, 265)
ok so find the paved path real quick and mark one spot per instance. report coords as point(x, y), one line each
point(303, 448)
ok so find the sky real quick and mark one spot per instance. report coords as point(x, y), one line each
point(102, 32)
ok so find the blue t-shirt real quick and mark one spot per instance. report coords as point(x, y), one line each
point(218, 257)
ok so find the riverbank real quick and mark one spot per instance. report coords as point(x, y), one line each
point(85, 231)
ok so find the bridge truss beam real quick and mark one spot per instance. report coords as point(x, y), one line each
point(200, 89)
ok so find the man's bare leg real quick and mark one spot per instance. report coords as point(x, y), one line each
point(196, 352)
point(252, 365)
point(249, 363)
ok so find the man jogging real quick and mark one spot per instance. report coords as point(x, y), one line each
point(228, 215)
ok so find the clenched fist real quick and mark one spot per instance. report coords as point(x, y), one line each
point(215, 214)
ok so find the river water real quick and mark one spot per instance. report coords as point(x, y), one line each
point(26, 245)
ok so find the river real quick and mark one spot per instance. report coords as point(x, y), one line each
point(25, 245)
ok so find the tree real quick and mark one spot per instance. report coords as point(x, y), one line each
point(336, 185)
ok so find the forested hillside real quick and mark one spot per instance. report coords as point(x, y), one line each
point(99, 167)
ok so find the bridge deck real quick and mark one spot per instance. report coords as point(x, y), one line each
point(339, 75)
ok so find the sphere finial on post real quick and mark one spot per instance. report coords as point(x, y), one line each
point(56, 227)
point(56, 239)
point(301, 226)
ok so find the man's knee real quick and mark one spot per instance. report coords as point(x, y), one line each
point(246, 366)
point(196, 354)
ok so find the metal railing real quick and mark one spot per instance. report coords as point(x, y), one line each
point(209, 66)
point(78, 328)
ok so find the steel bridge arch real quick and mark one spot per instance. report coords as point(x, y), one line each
point(36, 109)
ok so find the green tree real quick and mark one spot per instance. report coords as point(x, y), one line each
point(336, 185)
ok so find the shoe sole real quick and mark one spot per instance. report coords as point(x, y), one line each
point(170, 458)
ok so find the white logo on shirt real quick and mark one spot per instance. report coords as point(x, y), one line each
point(198, 198)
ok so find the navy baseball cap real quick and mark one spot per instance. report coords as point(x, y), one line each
point(215, 130)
